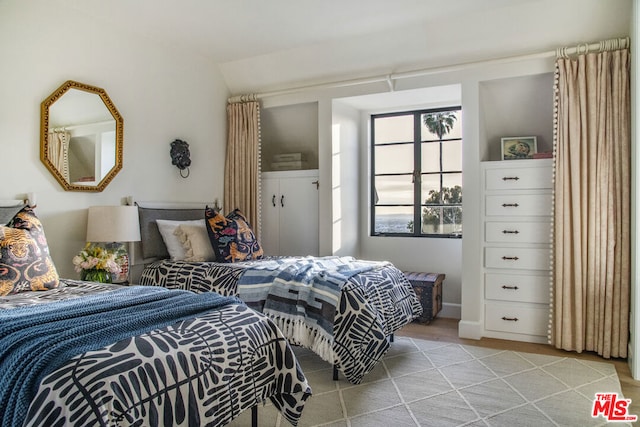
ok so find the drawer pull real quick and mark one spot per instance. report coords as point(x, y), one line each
point(515, 288)
point(510, 258)
point(510, 205)
point(510, 232)
point(510, 178)
point(510, 319)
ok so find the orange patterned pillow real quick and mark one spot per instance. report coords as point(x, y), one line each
point(25, 263)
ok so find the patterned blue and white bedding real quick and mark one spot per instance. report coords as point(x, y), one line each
point(203, 370)
point(341, 308)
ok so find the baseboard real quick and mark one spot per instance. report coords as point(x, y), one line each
point(469, 329)
point(451, 311)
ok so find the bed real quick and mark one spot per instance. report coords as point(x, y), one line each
point(344, 309)
point(82, 353)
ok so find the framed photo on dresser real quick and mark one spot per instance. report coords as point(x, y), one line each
point(519, 147)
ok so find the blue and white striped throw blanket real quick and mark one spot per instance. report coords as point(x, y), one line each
point(35, 340)
point(301, 295)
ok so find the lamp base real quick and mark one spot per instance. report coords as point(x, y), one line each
point(123, 277)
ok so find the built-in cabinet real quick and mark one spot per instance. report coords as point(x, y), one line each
point(290, 129)
point(516, 246)
point(289, 212)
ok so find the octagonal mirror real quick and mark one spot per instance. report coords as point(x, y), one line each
point(81, 135)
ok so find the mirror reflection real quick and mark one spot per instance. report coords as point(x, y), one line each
point(81, 137)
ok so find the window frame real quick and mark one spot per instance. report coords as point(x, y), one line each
point(417, 142)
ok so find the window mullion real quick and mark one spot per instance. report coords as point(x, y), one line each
point(373, 192)
point(417, 173)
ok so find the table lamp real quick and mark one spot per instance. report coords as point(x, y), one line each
point(114, 226)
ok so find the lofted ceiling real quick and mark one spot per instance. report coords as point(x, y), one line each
point(230, 30)
point(269, 44)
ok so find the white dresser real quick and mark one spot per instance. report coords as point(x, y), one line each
point(516, 244)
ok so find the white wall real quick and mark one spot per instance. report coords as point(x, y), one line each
point(161, 93)
point(345, 177)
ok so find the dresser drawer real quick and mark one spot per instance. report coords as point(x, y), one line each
point(519, 178)
point(517, 258)
point(518, 232)
point(517, 318)
point(517, 287)
point(518, 205)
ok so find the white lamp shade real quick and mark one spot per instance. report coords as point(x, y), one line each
point(113, 224)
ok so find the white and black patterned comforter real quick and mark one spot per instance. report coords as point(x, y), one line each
point(203, 371)
point(372, 306)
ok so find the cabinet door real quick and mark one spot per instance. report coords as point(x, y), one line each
point(270, 220)
point(298, 203)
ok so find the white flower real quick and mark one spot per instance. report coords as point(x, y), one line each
point(96, 257)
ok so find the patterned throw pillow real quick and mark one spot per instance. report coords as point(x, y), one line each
point(231, 237)
point(25, 263)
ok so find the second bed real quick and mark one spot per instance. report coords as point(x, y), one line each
point(343, 309)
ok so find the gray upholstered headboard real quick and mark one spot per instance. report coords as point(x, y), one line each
point(152, 247)
point(8, 212)
point(9, 208)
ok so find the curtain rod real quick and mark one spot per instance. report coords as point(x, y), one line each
point(611, 44)
point(242, 98)
point(601, 46)
point(72, 127)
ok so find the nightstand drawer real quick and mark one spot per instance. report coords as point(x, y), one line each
point(518, 319)
point(519, 178)
point(517, 258)
point(518, 205)
point(518, 232)
point(517, 287)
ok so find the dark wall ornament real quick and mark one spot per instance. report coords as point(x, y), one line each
point(180, 156)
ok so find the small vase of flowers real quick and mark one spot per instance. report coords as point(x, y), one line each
point(96, 263)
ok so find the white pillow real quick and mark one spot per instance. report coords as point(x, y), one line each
point(195, 241)
point(171, 241)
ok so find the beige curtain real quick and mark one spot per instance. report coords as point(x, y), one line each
point(591, 232)
point(242, 166)
point(58, 151)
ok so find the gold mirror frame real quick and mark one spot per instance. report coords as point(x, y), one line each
point(45, 128)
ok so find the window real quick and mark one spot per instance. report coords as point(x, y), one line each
point(416, 164)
